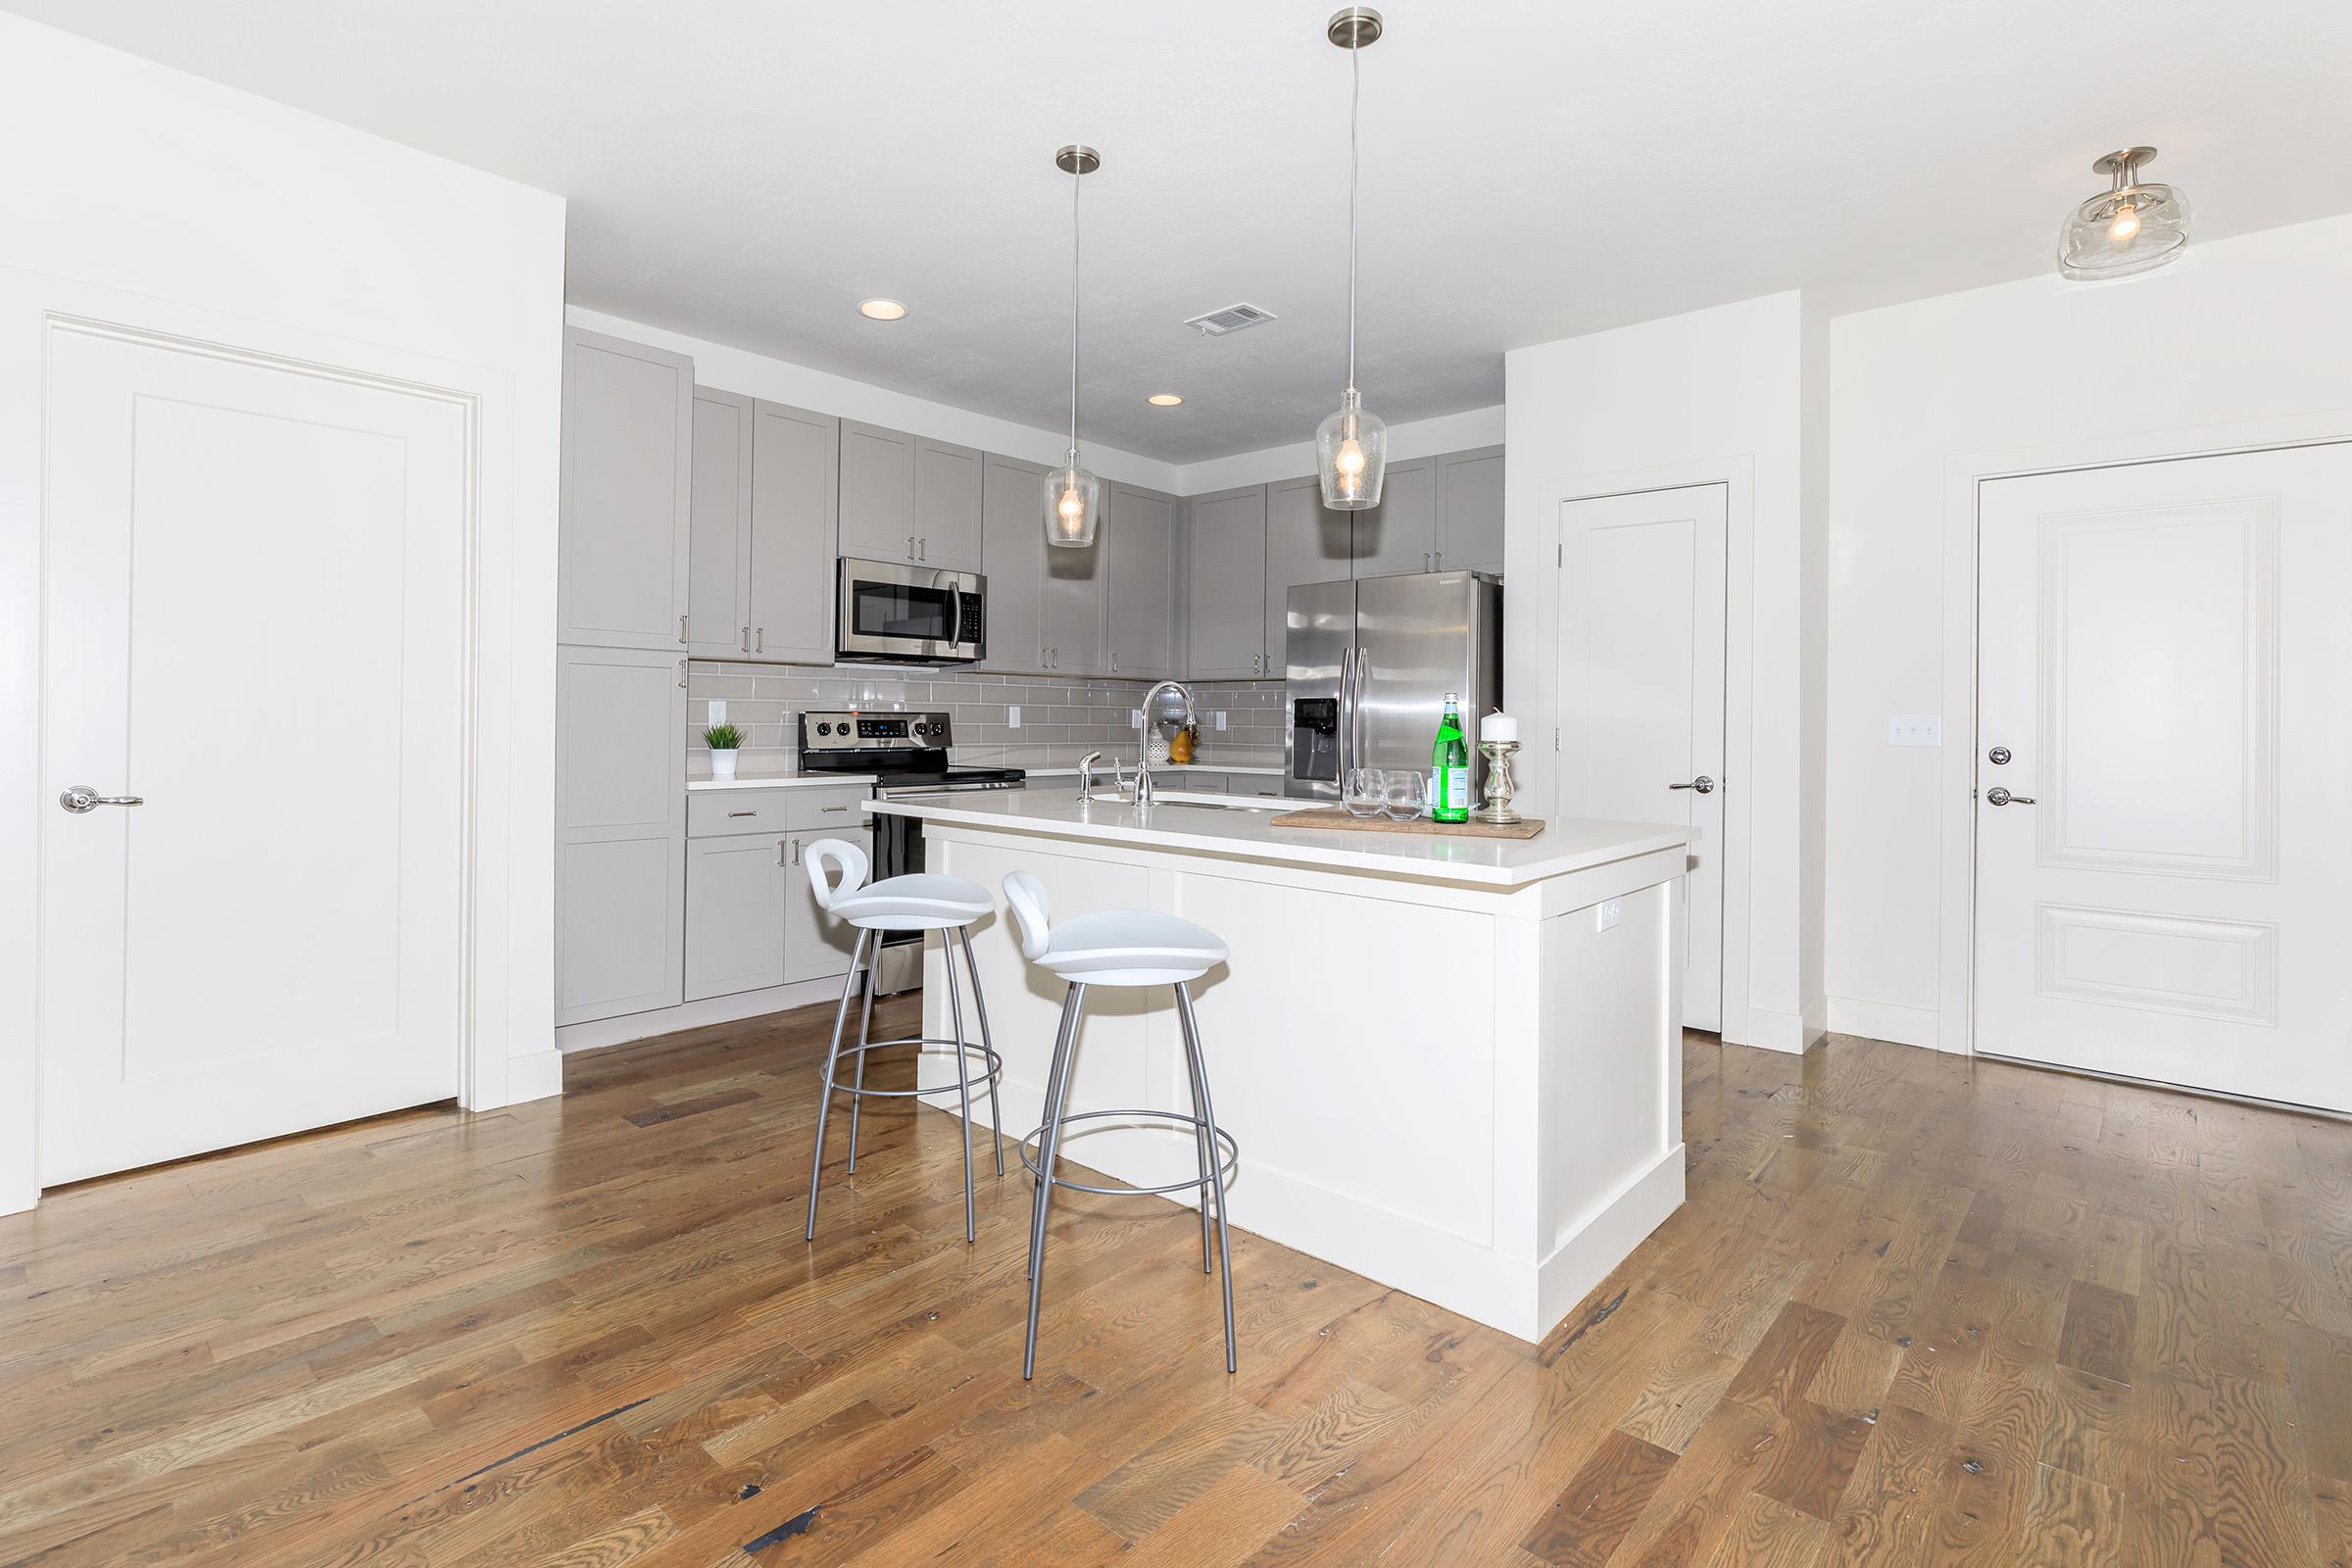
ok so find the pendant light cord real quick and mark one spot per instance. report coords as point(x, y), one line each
point(1076, 178)
point(1355, 91)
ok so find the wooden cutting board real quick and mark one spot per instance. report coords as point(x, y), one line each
point(1333, 817)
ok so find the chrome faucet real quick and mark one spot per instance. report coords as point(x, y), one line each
point(1086, 775)
point(1142, 769)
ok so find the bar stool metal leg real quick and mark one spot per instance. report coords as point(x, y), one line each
point(1206, 1149)
point(963, 1083)
point(1055, 1067)
point(1047, 1154)
point(824, 1104)
point(1199, 1069)
point(987, 1042)
point(866, 1032)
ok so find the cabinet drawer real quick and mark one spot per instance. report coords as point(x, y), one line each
point(793, 810)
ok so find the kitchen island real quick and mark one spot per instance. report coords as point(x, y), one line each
point(1452, 1065)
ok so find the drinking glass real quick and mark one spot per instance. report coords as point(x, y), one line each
point(1408, 795)
point(1367, 790)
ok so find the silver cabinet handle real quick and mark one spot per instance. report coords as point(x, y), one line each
point(796, 851)
point(1424, 561)
point(832, 808)
point(1439, 558)
point(1703, 784)
point(681, 628)
point(922, 548)
point(780, 843)
point(911, 547)
point(1998, 796)
point(681, 674)
point(82, 797)
point(743, 814)
point(760, 647)
point(747, 639)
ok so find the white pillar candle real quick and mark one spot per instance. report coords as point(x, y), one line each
point(1498, 727)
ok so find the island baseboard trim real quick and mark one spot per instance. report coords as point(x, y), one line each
point(1607, 1237)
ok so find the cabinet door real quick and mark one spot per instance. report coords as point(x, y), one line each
point(621, 811)
point(718, 550)
point(1072, 591)
point(1226, 550)
point(793, 484)
point(1140, 586)
point(877, 493)
point(947, 504)
point(1012, 552)
point(1304, 543)
point(816, 945)
point(1470, 510)
point(735, 893)
point(628, 440)
point(1401, 534)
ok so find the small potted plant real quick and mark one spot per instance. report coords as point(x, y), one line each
point(724, 740)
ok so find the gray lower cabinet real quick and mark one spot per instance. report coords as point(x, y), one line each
point(1226, 559)
point(719, 554)
point(1470, 510)
point(816, 946)
point(947, 484)
point(1305, 542)
point(1401, 534)
point(736, 891)
point(1139, 596)
point(621, 813)
point(628, 444)
point(1012, 553)
point(795, 489)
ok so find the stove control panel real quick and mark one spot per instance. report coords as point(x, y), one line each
point(852, 730)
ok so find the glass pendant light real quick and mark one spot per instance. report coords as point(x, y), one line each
point(1073, 496)
point(1352, 446)
point(2128, 228)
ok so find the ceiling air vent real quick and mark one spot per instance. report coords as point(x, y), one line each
point(1232, 319)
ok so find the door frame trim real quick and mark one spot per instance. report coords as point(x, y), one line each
point(1737, 474)
point(1965, 476)
point(33, 307)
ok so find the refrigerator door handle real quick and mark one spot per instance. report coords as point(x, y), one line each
point(1347, 714)
point(1355, 710)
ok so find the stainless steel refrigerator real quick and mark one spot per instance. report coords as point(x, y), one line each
point(1368, 664)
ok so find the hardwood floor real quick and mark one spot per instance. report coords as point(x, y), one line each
point(1915, 1311)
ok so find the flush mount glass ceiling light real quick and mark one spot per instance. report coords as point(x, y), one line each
point(2128, 228)
point(1073, 496)
point(1351, 447)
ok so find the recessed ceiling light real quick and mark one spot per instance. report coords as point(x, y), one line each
point(1163, 399)
point(881, 309)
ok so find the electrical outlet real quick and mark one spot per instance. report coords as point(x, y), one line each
point(718, 710)
point(1135, 718)
point(1012, 717)
point(1611, 912)
point(1915, 729)
point(1220, 720)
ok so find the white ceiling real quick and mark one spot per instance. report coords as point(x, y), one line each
point(747, 170)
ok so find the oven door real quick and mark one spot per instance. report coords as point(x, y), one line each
point(926, 614)
point(898, 852)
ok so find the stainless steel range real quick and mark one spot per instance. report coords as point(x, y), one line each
point(908, 752)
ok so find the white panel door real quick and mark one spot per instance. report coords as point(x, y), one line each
point(254, 588)
point(1640, 686)
point(2163, 888)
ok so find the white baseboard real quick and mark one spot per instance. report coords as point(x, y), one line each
point(537, 1075)
point(1780, 1031)
point(695, 1014)
point(1886, 1020)
point(1605, 1237)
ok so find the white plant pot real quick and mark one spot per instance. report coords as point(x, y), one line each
point(722, 764)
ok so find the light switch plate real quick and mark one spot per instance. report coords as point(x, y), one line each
point(1915, 729)
point(1611, 910)
point(1012, 717)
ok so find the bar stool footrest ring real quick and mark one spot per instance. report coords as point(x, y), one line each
point(970, 1079)
point(1170, 1119)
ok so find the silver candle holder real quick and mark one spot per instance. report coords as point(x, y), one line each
point(1500, 786)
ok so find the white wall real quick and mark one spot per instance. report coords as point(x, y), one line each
point(1716, 393)
point(1414, 438)
point(2240, 330)
point(125, 177)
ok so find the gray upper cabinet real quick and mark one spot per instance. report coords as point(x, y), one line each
point(877, 493)
point(1470, 510)
point(1138, 543)
point(1401, 534)
point(628, 440)
point(621, 813)
point(1305, 542)
point(1226, 557)
point(1012, 553)
point(947, 504)
point(1071, 592)
point(718, 570)
point(795, 479)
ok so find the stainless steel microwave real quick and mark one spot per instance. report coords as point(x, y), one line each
point(910, 614)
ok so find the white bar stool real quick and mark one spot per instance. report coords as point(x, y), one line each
point(1120, 947)
point(947, 905)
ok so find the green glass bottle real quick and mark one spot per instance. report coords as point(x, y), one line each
point(1450, 767)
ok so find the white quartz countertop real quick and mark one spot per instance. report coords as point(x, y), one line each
point(777, 779)
point(1103, 768)
point(1193, 824)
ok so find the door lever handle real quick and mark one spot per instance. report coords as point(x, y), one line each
point(1997, 796)
point(1703, 784)
point(82, 797)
